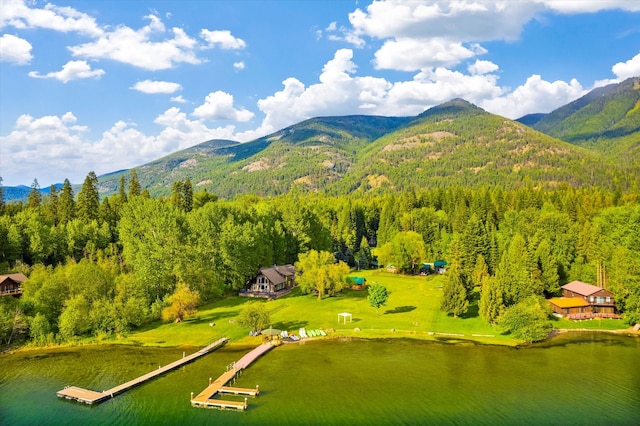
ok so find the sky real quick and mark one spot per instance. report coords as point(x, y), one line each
point(111, 84)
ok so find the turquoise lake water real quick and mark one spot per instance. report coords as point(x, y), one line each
point(574, 379)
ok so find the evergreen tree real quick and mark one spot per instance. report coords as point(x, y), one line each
point(121, 190)
point(187, 195)
point(491, 303)
point(134, 184)
point(51, 206)
point(89, 199)
point(454, 298)
point(35, 197)
point(66, 204)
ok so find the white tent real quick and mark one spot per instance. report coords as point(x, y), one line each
point(344, 316)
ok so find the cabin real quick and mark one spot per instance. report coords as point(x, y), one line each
point(271, 283)
point(584, 301)
point(11, 284)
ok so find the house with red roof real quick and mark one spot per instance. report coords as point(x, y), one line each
point(584, 301)
point(271, 283)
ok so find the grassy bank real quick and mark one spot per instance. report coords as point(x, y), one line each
point(413, 311)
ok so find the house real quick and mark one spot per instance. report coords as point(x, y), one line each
point(11, 284)
point(271, 283)
point(584, 301)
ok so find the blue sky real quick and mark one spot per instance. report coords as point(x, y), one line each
point(112, 84)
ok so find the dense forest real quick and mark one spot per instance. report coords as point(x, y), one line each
point(103, 267)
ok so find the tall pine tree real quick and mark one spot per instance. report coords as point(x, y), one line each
point(89, 199)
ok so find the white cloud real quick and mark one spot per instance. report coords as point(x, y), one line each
point(15, 49)
point(589, 6)
point(222, 39)
point(239, 66)
point(52, 148)
point(469, 21)
point(219, 106)
point(153, 87)
point(482, 67)
point(536, 95)
point(179, 99)
point(407, 54)
point(72, 70)
point(18, 14)
point(630, 68)
point(138, 48)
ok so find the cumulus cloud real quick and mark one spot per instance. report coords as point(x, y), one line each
point(622, 71)
point(535, 95)
point(17, 14)
point(15, 49)
point(482, 67)
point(589, 6)
point(70, 154)
point(630, 68)
point(222, 39)
point(410, 54)
point(239, 66)
point(139, 48)
point(72, 70)
point(219, 106)
point(178, 99)
point(153, 87)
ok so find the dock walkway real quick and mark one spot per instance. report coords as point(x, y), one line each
point(93, 397)
point(205, 398)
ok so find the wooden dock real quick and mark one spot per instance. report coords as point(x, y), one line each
point(93, 397)
point(205, 398)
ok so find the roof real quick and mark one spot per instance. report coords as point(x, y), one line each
point(286, 270)
point(272, 275)
point(13, 277)
point(582, 288)
point(568, 302)
point(277, 274)
point(440, 263)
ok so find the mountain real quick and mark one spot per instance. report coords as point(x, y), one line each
point(455, 143)
point(606, 119)
point(21, 192)
point(308, 155)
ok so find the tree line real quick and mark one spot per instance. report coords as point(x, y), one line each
point(104, 266)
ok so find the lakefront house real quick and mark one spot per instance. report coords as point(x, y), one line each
point(271, 283)
point(584, 301)
point(11, 284)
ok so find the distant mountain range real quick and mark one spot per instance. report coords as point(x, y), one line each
point(594, 140)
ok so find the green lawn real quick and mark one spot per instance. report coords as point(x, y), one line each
point(413, 311)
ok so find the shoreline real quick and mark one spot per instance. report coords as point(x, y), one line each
point(443, 338)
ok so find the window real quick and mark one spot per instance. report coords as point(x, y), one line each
point(600, 300)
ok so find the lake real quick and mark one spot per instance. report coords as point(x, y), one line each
point(575, 378)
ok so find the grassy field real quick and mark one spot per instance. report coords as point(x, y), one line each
point(412, 311)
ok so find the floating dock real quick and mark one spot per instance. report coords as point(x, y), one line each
point(93, 397)
point(205, 398)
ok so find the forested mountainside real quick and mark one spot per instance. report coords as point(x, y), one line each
point(606, 120)
point(309, 154)
point(592, 141)
point(455, 143)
